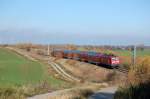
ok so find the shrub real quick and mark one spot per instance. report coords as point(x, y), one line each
point(11, 93)
point(141, 91)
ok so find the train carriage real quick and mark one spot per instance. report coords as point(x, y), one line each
point(84, 56)
point(68, 54)
point(96, 58)
point(76, 55)
point(65, 54)
point(92, 57)
point(58, 53)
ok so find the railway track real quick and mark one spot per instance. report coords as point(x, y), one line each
point(62, 72)
point(121, 69)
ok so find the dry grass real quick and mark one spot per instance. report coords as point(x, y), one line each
point(140, 73)
point(17, 92)
point(138, 82)
point(11, 93)
point(21, 92)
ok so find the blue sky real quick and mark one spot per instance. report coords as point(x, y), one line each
point(115, 22)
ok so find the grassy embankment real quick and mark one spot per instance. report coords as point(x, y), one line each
point(21, 76)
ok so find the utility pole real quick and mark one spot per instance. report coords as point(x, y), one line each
point(134, 55)
point(48, 53)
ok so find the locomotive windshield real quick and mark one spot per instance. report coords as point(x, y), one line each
point(115, 58)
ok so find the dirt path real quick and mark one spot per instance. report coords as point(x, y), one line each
point(48, 95)
point(105, 93)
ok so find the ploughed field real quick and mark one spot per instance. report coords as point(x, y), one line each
point(18, 70)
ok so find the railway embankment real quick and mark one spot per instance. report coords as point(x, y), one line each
point(89, 72)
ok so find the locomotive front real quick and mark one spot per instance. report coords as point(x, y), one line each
point(115, 61)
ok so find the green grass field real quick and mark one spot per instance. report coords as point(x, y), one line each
point(18, 70)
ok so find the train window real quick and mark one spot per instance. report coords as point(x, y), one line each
point(115, 58)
